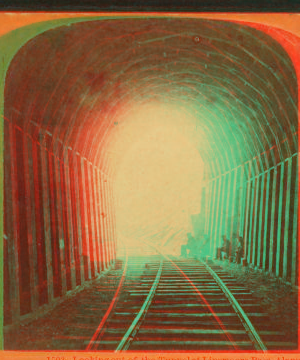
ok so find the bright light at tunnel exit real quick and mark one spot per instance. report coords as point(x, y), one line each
point(159, 175)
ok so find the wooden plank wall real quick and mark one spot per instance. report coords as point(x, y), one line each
point(262, 207)
point(59, 228)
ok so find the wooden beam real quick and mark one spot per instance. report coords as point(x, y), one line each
point(47, 227)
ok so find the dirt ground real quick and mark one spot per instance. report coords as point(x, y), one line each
point(56, 328)
point(279, 298)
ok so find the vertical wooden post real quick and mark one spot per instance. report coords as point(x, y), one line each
point(287, 217)
point(260, 219)
point(272, 219)
point(219, 210)
point(295, 254)
point(96, 222)
point(242, 204)
point(250, 239)
point(11, 210)
point(107, 220)
point(266, 215)
point(255, 215)
point(30, 217)
point(47, 228)
point(280, 218)
point(53, 228)
point(97, 225)
point(60, 224)
point(64, 244)
point(248, 208)
point(233, 208)
point(86, 223)
point(91, 199)
point(114, 234)
point(211, 216)
point(101, 221)
point(226, 207)
point(221, 214)
point(70, 225)
point(215, 221)
point(105, 223)
point(207, 207)
point(77, 214)
point(111, 220)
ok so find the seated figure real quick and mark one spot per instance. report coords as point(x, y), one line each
point(223, 252)
point(239, 252)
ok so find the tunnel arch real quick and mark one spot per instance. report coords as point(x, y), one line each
point(265, 148)
point(257, 144)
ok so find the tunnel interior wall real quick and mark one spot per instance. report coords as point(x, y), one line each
point(58, 218)
point(59, 228)
point(260, 204)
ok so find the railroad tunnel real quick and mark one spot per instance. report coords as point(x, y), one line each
point(132, 130)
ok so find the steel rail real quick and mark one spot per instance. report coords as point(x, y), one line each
point(221, 325)
point(133, 328)
point(93, 343)
point(252, 333)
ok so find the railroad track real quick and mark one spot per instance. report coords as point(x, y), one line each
point(182, 304)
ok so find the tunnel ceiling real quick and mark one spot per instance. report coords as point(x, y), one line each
point(67, 87)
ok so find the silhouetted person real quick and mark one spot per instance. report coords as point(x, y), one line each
point(230, 249)
point(223, 251)
point(239, 251)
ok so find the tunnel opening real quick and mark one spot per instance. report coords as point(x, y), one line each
point(159, 175)
point(75, 143)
